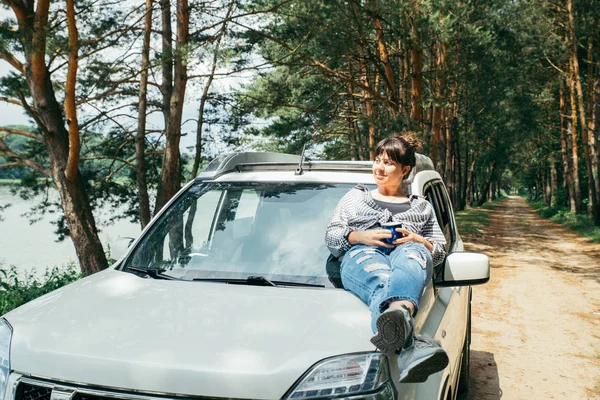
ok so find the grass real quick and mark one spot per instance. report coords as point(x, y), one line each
point(472, 220)
point(16, 289)
point(580, 223)
point(7, 182)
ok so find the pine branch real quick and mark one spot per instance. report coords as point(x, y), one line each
point(20, 160)
point(13, 61)
point(20, 132)
point(11, 101)
point(316, 63)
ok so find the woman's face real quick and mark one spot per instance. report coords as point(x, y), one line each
point(388, 173)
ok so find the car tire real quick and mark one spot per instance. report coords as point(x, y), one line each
point(465, 364)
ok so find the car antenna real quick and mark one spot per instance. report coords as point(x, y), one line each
point(299, 170)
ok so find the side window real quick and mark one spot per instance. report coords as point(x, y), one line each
point(436, 195)
point(446, 217)
point(431, 197)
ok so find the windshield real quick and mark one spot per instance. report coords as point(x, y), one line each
point(238, 230)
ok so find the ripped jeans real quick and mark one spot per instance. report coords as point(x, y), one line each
point(378, 279)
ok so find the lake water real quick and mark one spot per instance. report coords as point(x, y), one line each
point(33, 247)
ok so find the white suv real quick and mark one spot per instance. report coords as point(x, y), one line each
point(231, 293)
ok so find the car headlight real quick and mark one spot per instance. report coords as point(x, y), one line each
point(356, 376)
point(5, 337)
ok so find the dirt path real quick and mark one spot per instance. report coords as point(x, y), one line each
point(536, 324)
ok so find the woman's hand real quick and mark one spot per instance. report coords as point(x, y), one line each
point(370, 237)
point(412, 237)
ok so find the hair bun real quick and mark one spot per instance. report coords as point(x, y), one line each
point(411, 140)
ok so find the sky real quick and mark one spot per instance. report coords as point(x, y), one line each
point(14, 115)
point(9, 113)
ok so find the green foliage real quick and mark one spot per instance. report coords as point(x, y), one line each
point(21, 145)
point(472, 220)
point(16, 290)
point(580, 223)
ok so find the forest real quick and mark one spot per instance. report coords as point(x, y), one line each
point(504, 94)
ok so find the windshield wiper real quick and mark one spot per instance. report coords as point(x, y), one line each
point(153, 273)
point(256, 281)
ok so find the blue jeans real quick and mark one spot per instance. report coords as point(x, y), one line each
point(378, 279)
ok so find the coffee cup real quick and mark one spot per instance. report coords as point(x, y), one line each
point(391, 226)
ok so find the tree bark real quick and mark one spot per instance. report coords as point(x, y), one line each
point(596, 120)
point(593, 93)
point(140, 137)
point(553, 183)
point(438, 109)
point(572, 130)
point(69, 104)
point(390, 76)
point(170, 180)
point(587, 143)
point(204, 98)
point(566, 150)
point(416, 114)
point(48, 113)
point(167, 94)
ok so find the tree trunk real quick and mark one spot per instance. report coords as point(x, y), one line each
point(438, 109)
point(390, 76)
point(572, 130)
point(596, 121)
point(170, 179)
point(69, 104)
point(140, 137)
point(457, 171)
point(203, 100)
point(48, 114)
point(167, 94)
point(471, 179)
point(416, 53)
point(75, 204)
point(464, 184)
point(354, 133)
point(547, 187)
point(566, 149)
point(587, 143)
point(553, 183)
point(205, 92)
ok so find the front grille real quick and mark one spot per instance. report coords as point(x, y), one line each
point(34, 389)
point(26, 391)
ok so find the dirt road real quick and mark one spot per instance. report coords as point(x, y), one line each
point(536, 324)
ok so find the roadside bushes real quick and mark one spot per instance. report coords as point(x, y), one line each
point(17, 289)
point(580, 223)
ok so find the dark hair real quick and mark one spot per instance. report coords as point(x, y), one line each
point(400, 149)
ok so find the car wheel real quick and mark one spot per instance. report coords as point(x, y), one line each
point(465, 364)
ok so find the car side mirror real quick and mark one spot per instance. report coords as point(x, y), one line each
point(465, 269)
point(118, 247)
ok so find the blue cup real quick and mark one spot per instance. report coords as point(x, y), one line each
point(392, 228)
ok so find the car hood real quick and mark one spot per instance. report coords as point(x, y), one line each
point(115, 329)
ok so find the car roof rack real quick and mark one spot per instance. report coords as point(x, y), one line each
point(268, 161)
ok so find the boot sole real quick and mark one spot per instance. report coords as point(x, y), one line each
point(420, 370)
point(391, 332)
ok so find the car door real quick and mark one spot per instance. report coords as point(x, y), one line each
point(453, 300)
point(439, 315)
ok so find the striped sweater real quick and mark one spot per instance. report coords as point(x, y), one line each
point(357, 211)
